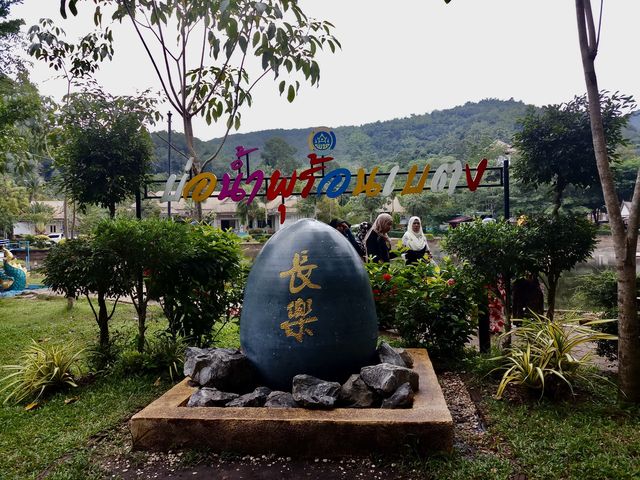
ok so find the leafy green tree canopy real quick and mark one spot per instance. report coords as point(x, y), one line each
point(278, 154)
point(556, 146)
point(276, 32)
point(108, 150)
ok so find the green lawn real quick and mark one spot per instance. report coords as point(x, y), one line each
point(592, 438)
point(31, 440)
point(589, 438)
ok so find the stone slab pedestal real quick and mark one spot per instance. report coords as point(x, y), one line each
point(428, 427)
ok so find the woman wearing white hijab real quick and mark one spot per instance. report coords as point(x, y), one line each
point(415, 241)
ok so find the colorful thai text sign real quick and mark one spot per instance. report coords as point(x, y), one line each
point(332, 184)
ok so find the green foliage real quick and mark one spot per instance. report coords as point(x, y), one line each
point(556, 147)
point(39, 214)
point(163, 355)
point(83, 267)
point(431, 306)
point(492, 248)
point(107, 151)
point(9, 39)
point(543, 357)
point(20, 110)
point(279, 155)
point(600, 291)
point(191, 284)
point(556, 244)
point(141, 245)
point(44, 368)
point(13, 200)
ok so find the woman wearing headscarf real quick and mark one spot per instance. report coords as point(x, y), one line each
point(415, 241)
point(376, 242)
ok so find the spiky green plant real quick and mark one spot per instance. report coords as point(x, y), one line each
point(43, 368)
point(543, 354)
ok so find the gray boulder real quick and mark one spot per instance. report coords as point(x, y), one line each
point(406, 357)
point(388, 355)
point(401, 398)
point(279, 399)
point(222, 368)
point(355, 393)
point(257, 398)
point(385, 378)
point(210, 397)
point(313, 392)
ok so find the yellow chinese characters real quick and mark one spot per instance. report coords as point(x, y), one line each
point(300, 272)
point(299, 310)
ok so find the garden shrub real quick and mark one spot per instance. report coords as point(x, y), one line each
point(600, 291)
point(190, 285)
point(43, 369)
point(431, 306)
point(84, 267)
point(141, 245)
point(162, 355)
point(543, 356)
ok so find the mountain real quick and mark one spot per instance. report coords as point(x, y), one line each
point(463, 132)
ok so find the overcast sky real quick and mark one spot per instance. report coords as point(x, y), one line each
point(406, 57)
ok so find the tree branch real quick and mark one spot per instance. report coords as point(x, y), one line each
point(173, 103)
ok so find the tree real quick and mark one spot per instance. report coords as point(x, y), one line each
point(625, 241)
point(556, 244)
point(279, 155)
point(39, 214)
point(249, 212)
point(555, 145)
point(108, 151)
point(9, 37)
point(141, 245)
point(13, 200)
point(82, 267)
point(227, 34)
point(20, 104)
point(192, 285)
point(496, 252)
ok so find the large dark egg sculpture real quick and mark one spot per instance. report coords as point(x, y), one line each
point(308, 307)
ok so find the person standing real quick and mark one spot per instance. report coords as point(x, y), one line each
point(377, 243)
point(345, 229)
point(415, 241)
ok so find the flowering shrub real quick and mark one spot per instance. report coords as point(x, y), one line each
point(431, 306)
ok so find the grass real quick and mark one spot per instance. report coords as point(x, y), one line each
point(55, 436)
point(591, 437)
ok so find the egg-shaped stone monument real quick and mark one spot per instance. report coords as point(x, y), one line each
point(308, 307)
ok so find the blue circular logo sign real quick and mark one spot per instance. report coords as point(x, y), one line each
point(322, 139)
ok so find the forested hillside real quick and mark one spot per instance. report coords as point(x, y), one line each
point(463, 132)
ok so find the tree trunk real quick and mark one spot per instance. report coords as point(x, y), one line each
point(551, 297)
point(112, 211)
point(141, 310)
point(103, 321)
point(195, 167)
point(625, 243)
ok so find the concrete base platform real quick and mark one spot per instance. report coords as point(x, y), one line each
point(428, 427)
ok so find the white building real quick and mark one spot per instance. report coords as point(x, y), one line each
point(55, 225)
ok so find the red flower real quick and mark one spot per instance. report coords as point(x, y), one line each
point(376, 291)
point(146, 272)
point(451, 282)
point(386, 277)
